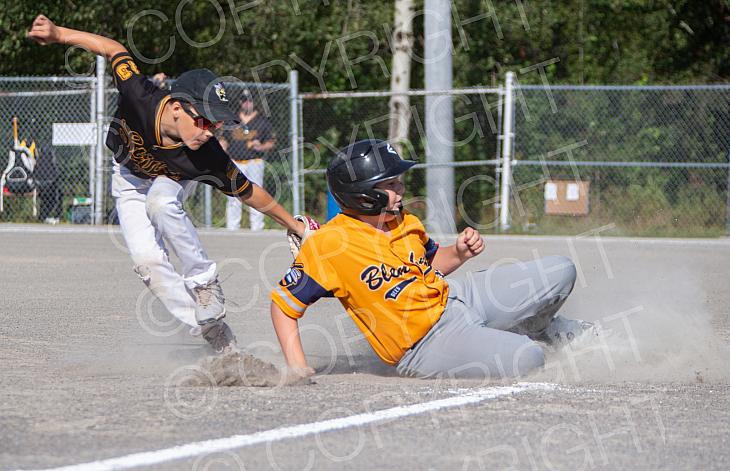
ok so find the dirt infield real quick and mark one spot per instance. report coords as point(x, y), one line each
point(92, 368)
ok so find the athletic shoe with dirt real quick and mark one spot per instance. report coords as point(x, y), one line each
point(563, 331)
point(210, 302)
point(220, 337)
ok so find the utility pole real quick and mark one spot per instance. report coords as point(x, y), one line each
point(439, 118)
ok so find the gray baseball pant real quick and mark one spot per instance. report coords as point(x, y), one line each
point(490, 317)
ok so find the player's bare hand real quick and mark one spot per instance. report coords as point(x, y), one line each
point(44, 31)
point(304, 372)
point(469, 243)
point(294, 375)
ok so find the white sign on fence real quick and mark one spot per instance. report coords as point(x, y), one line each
point(551, 191)
point(572, 192)
point(74, 134)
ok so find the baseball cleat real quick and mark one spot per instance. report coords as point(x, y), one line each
point(220, 337)
point(210, 302)
point(563, 331)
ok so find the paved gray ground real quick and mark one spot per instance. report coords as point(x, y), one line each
point(86, 357)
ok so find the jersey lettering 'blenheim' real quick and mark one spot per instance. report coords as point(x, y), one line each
point(375, 276)
point(404, 274)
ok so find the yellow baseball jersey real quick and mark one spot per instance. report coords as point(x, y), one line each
point(385, 281)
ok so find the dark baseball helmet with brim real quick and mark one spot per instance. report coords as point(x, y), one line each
point(204, 90)
point(355, 170)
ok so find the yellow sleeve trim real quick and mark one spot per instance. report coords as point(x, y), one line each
point(294, 299)
point(121, 58)
point(239, 190)
point(158, 118)
point(284, 306)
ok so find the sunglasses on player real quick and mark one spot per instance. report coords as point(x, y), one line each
point(200, 121)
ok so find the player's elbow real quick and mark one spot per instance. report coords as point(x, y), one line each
point(115, 48)
point(251, 190)
point(109, 47)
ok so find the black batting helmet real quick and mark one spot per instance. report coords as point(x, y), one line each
point(356, 169)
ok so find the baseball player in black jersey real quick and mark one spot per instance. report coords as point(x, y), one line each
point(163, 144)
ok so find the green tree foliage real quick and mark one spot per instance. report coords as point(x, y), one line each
point(344, 44)
point(595, 41)
point(598, 41)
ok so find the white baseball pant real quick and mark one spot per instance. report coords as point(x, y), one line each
point(149, 211)
point(254, 171)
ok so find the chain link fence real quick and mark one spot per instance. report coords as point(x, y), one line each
point(633, 161)
point(57, 182)
point(651, 161)
point(648, 161)
point(333, 121)
point(58, 176)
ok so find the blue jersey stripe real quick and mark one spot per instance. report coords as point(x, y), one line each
point(431, 248)
point(302, 286)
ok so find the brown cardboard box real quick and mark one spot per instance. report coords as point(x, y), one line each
point(567, 197)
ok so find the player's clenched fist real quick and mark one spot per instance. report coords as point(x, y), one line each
point(43, 31)
point(469, 243)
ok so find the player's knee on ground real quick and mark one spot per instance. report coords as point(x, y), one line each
point(527, 359)
point(566, 273)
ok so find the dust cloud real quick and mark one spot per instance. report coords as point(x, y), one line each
point(658, 330)
point(239, 369)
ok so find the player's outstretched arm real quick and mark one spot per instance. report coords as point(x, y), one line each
point(469, 244)
point(44, 31)
point(262, 201)
point(287, 331)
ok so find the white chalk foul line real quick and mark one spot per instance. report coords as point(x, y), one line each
point(206, 447)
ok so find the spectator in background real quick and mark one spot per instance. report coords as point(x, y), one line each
point(248, 144)
point(46, 179)
point(160, 80)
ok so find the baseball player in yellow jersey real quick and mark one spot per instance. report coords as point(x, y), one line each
point(378, 261)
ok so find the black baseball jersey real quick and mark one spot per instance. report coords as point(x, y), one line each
point(240, 139)
point(134, 137)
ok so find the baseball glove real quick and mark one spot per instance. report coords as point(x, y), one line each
point(295, 242)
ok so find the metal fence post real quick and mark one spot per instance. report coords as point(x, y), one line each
point(99, 162)
point(295, 138)
point(92, 147)
point(438, 75)
point(208, 205)
point(498, 155)
point(508, 134)
point(727, 198)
